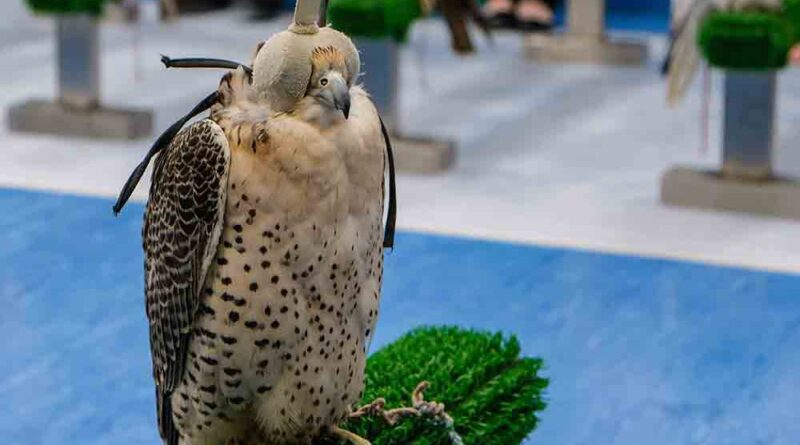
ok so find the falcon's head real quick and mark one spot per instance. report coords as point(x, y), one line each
point(307, 68)
point(328, 86)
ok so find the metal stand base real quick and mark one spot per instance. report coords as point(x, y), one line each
point(685, 187)
point(39, 116)
point(415, 155)
point(583, 49)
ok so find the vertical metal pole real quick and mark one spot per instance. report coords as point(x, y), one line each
point(379, 65)
point(749, 127)
point(78, 60)
point(587, 18)
point(323, 14)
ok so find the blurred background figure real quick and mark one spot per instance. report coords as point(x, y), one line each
point(458, 14)
point(170, 9)
point(524, 15)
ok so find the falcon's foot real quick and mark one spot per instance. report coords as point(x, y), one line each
point(378, 409)
point(419, 408)
point(348, 436)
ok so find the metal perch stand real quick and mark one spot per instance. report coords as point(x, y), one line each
point(78, 110)
point(585, 39)
point(745, 182)
point(380, 60)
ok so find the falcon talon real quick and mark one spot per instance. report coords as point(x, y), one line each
point(420, 408)
point(348, 436)
point(378, 409)
point(372, 409)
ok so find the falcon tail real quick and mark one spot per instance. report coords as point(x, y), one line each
point(166, 426)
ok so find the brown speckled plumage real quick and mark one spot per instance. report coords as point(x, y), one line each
point(263, 244)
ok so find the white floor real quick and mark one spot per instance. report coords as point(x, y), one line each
point(556, 155)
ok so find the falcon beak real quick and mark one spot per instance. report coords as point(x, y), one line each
point(341, 97)
point(345, 106)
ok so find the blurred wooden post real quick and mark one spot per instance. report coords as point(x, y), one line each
point(584, 40)
point(171, 10)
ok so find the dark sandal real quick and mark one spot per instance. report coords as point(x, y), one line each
point(532, 16)
point(497, 17)
point(532, 25)
point(501, 20)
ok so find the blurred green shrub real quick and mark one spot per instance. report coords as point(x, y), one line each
point(747, 40)
point(94, 7)
point(751, 40)
point(792, 10)
point(374, 18)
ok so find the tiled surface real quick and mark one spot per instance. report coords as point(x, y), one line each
point(639, 351)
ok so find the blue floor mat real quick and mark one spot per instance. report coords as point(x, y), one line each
point(639, 351)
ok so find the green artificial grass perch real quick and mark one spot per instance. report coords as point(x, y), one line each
point(93, 7)
point(492, 393)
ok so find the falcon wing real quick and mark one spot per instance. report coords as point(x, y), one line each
point(684, 55)
point(182, 228)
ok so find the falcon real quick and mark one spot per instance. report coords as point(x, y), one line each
point(263, 239)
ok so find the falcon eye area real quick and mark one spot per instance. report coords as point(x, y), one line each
point(323, 81)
